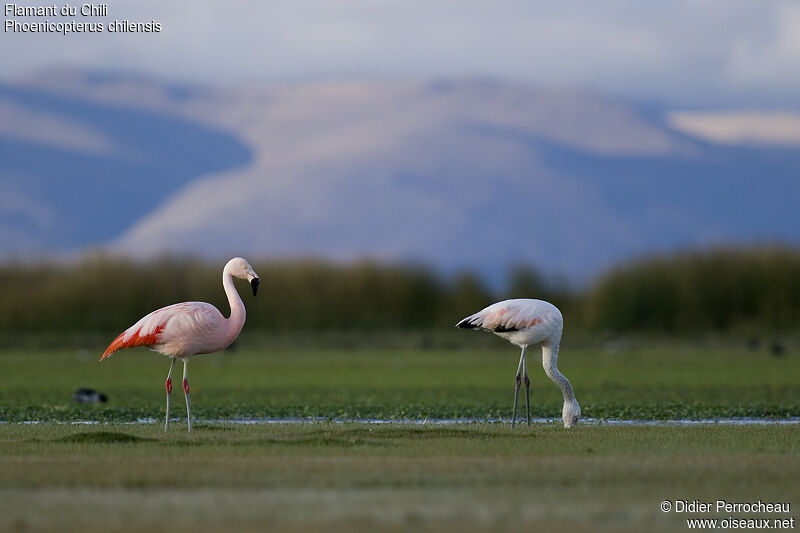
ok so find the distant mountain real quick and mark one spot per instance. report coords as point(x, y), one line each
point(76, 172)
point(461, 174)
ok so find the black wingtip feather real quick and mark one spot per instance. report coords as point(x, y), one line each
point(466, 324)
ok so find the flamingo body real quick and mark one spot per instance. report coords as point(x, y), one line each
point(178, 330)
point(527, 322)
point(185, 329)
point(521, 321)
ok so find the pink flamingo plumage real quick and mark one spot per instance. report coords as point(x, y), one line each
point(524, 322)
point(182, 330)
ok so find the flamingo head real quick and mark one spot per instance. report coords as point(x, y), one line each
point(571, 413)
point(239, 268)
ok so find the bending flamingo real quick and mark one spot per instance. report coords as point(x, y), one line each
point(524, 322)
point(182, 330)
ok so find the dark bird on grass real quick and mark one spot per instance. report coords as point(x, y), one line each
point(524, 322)
point(182, 330)
point(777, 349)
point(87, 395)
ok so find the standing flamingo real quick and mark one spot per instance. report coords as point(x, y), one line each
point(182, 330)
point(524, 322)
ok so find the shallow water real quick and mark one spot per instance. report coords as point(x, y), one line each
point(456, 421)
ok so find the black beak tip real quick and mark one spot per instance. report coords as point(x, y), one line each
point(254, 285)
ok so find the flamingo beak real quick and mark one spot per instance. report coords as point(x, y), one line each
point(254, 285)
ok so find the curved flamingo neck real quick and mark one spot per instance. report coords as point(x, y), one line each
point(550, 363)
point(238, 313)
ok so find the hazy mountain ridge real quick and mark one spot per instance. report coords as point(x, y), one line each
point(469, 173)
point(101, 169)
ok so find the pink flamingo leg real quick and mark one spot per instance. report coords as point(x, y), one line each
point(517, 383)
point(168, 385)
point(527, 383)
point(186, 392)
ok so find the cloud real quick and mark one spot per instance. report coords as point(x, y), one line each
point(682, 52)
point(770, 56)
point(740, 127)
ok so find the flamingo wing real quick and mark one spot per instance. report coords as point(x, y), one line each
point(177, 330)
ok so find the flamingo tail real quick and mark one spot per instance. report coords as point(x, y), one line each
point(132, 341)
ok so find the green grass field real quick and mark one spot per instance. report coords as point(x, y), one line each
point(658, 383)
point(350, 476)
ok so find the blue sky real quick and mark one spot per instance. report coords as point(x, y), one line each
point(684, 54)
